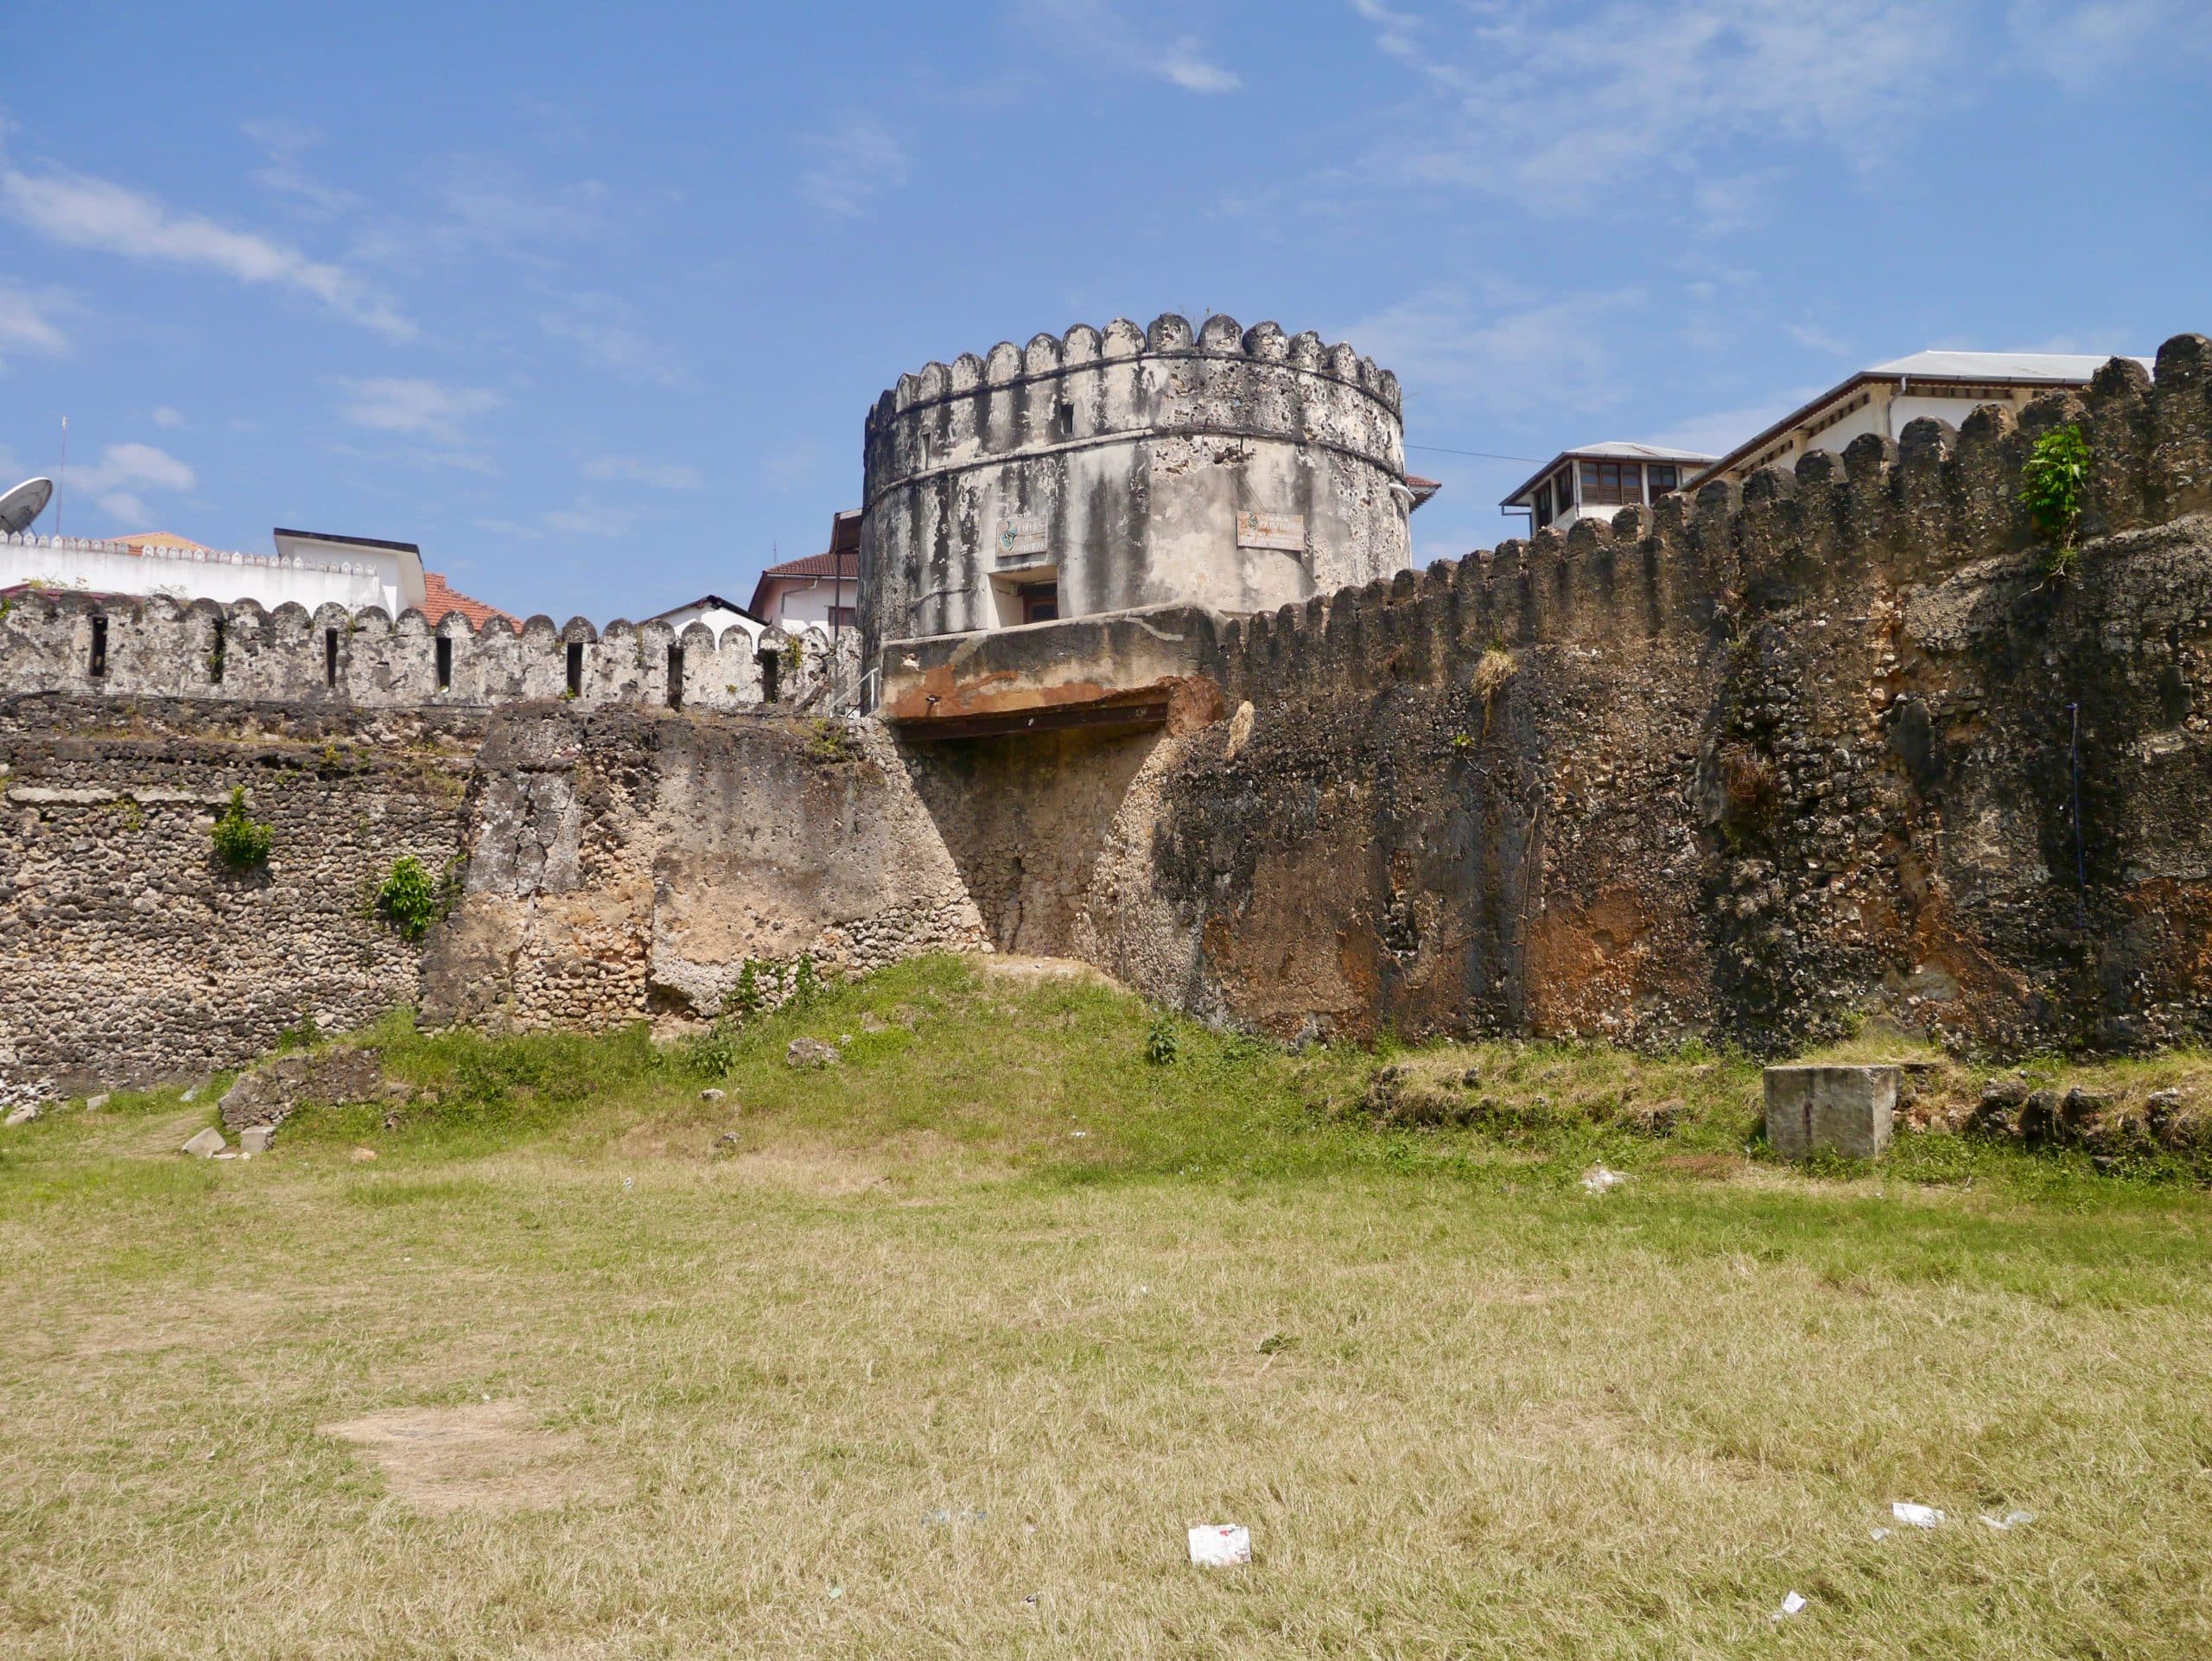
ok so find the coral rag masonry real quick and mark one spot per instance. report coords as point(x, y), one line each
point(1838, 745)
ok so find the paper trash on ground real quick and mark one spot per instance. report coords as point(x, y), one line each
point(1921, 1517)
point(1218, 1546)
point(1597, 1179)
point(2012, 1519)
point(1791, 1603)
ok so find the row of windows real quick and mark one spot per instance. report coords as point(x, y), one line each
point(1603, 484)
point(770, 663)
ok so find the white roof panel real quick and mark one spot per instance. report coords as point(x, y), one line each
point(2002, 366)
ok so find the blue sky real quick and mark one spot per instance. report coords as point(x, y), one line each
point(590, 301)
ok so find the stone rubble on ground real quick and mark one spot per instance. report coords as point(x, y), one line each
point(93, 1103)
point(23, 1115)
point(811, 1053)
point(258, 1138)
point(206, 1143)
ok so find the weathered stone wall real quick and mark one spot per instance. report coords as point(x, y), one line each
point(129, 952)
point(625, 864)
point(1125, 456)
point(125, 647)
point(622, 864)
point(1753, 766)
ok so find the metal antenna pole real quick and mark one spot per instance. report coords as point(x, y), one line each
point(61, 475)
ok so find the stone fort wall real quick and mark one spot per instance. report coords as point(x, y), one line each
point(1831, 748)
point(1834, 748)
point(1115, 462)
point(56, 640)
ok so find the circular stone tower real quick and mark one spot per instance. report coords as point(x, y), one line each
point(1107, 469)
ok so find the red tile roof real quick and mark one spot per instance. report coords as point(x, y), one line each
point(839, 564)
point(440, 596)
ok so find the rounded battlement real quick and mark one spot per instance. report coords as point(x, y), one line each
point(1107, 468)
point(1089, 384)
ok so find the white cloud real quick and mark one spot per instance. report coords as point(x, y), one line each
point(1100, 34)
point(607, 328)
point(284, 145)
point(660, 475)
point(851, 165)
point(2078, 45)
point(418, 408)
point(1816, 339)
point(165, 416)
point(790, 465)
point(28, 322)
point(116, 480)
point(587, 519)
point(82, 212)
point(1185, 64)
point(1718, 433)
point(1498, 347)
point(1556, 106)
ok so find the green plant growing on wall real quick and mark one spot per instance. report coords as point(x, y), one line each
point(794, 656)
point(743, 1000)
point(827, 741)
point(411, 899)
point(241, 841)
point(2052, 482)
point(806, 985)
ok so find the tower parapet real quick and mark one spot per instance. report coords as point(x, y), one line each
point(1110, 469)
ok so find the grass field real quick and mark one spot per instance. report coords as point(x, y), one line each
point(938, 1351)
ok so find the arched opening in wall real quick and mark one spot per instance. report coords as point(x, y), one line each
point(217, 645)
point(1064, 418)
point(330, 657)
point(97, 667)
point(676, 677)
point(772, 667)
point(575, 668)
point(445, 663)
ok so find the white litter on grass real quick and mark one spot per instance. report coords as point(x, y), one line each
point(1597, 1179)
point(1791, 1603)
point(1220, 1545)
point(1878, 1534)
point(2012, 1519)
point(1920, 1516)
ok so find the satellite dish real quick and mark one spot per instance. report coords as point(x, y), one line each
point(23, 504)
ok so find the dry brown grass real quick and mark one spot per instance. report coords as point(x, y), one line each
point(939, 1390)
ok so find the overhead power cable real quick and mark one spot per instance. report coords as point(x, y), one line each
point(1485, 455)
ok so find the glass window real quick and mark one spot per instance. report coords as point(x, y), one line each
point(1041, 602)
point(1662, 480)
point(1563, 488)
point(1543, 504)
point(1611, 484)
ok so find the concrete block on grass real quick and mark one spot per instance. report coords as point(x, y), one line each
point(1830, 1109)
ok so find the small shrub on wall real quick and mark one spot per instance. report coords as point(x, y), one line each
point(2052, 482)
point(411, 899)
point(241, 841)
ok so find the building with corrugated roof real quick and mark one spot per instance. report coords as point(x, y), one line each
point(1599, 480)
point(1946, 385)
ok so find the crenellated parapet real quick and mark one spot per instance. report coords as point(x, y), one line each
point(1937, 499)
point(57, 641)
point(1126, 467)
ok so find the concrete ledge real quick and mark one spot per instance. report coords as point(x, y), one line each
point(1844, 1111)
point(1136, 668)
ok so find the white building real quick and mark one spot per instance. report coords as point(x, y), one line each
point(1948, 386)
point(822, 589)
point(1599, 480)
point(308, 567)
point(716, 613)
